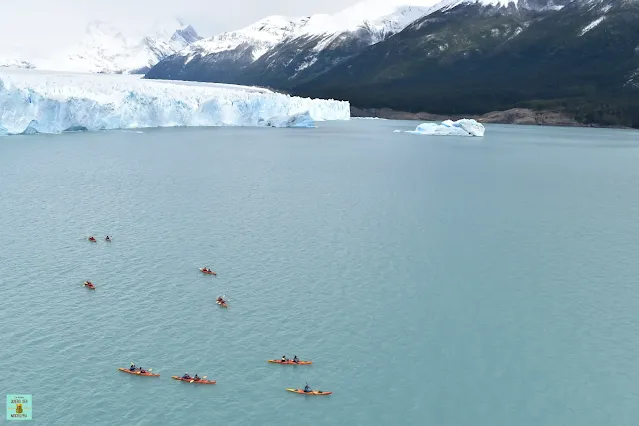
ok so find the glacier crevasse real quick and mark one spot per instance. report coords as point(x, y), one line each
point(35, 101)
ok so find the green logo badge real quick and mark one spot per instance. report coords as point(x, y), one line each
point(19, 407)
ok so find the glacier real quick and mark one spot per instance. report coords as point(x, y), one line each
point(463, 127)
point(34, 101)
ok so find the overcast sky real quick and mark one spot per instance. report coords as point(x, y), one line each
point(39, 23)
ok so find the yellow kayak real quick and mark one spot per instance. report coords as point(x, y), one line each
point(289, 362)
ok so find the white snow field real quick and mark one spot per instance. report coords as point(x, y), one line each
point(463, 127)
point(33, 101)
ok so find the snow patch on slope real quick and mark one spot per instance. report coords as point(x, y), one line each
point(591, 25)
point(261, 35)
point(36, 101)
point(449, 4)
point(380, 17)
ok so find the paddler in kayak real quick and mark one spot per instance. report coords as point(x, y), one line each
point(186, 376)
point(284, 359)
point(221, 301)
point(107, 238)
point(133, 367)
point(307, 388)
point(92, 239)
point(296, 359)
point(196, 378)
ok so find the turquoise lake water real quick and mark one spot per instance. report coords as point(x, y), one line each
point(432, 280)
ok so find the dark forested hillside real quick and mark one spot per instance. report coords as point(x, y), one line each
point(582, 58)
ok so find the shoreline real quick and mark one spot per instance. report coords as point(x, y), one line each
point(521, 116)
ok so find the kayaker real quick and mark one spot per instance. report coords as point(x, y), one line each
point(132, 368)
point(196, 378)
point(107, 238)
point(307, 388)
point(142, 370)
point(296, 359)
point(284, 358)
point(186, 376)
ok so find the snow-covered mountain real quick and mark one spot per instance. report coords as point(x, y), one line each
point(104, 48)
point(258, 37)
point(15, 62)
point(290, 49)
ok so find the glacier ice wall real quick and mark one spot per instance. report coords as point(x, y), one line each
point(302, 119)
point(45, 102)
point(463, 127)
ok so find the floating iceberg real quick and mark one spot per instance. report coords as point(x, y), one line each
point(463, 127)
point(44, 102)
point(302, 119)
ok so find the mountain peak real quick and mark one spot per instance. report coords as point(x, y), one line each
point(185, 35)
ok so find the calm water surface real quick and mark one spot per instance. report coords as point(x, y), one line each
point(432, 280)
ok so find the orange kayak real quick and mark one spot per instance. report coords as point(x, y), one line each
point(289, 362)
point(137, 372)
point(201, 381)
point(207, 272)
point(313, 392)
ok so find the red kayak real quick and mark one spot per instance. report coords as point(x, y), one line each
point(93, 240)
point(89, 285)
point(192, 380)
point(207, 271)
